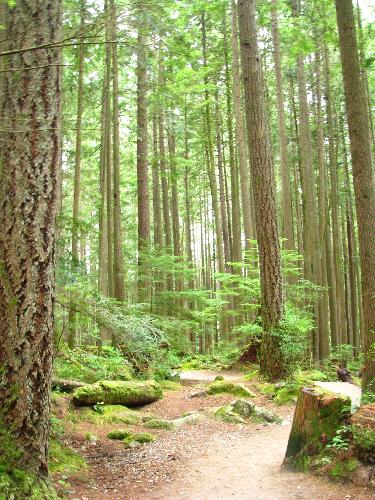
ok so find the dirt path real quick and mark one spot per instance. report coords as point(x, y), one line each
point(210, 460)
point(250, 469)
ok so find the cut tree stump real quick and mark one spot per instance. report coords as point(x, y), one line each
point(317, 417)
point(132, 393)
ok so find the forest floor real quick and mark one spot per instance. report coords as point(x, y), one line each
point(207, 460)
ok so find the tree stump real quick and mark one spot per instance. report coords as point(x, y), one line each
point(317, 417)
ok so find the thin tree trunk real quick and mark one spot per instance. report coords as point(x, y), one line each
point(73, 315)
point(144, 289)
point(287, 217)
point(118, 260)
point(312, 262)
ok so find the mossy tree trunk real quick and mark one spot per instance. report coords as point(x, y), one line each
point(29, 197)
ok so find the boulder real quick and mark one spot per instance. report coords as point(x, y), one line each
point(317, 417)
point(240, 411)
point(190, 419)
point(131, 393)
point(363, 432)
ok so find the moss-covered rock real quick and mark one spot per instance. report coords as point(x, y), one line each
point(188, 419)
point(119, 434)
point(139, 438)
point(241, 411)
point(131, 393)
point(159, 423)
point(222, 386)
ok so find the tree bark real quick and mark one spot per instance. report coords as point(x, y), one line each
point(263, 191)
point(360, 147)
point(118, 259)
point(73, 317)
point(142, 170)
point(287, 217)
point(29, 197)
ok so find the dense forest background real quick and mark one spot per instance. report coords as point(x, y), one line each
point(154, 111)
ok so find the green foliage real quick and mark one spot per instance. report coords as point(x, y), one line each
point(109, 414)
point(90, 367)
point(341, 440)
point(363, 438)
point(342, 469)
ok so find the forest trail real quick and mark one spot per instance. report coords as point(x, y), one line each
point(209, 460)
point(251, 469)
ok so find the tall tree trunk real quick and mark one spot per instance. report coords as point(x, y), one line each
point(240, 132)
point(234, 174)
point(284, 166)
point(29, 197)
point(360, 147)
point(73, 317)
point(156, 200)
point(211, 162)
point(323, 215)
point(336, 233)
point(312, 263)
point(263, 191)
point(118, 259)
point(142, 170)
point(223, 210)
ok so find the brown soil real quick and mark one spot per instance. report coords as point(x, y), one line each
point(210, 460)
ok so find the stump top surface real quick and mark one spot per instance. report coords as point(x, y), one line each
point(345, 389)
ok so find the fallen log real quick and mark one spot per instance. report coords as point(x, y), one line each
point(130, 393)
point(66, 385)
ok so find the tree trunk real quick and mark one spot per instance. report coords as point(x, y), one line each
point(142, 170)
point(312, 263)
point(118, 259)
point(73, 317)
point(29, 197)
point(284, 165)
point(263, 191)
point(363, 178)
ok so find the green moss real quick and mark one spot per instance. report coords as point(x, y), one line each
point(267, 389)
point(138, 438)
point(342, 469)
point(158, 423)
point(133, 393)
point(144, 437)
point(287, 394)
point(170, 385)
point(218, 377)
point(226, 414)
point(222, 386)
point(119, 434)
point(18, 485)
point(363, 438)
point(109, 414)
point(63, 459)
